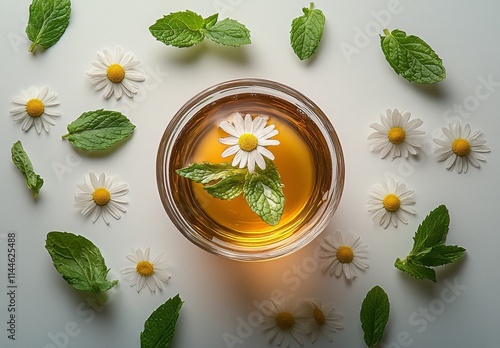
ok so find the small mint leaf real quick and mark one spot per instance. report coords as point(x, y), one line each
point(433, 230)
point(263, 191)
point(206, 173)
point(179, 29)
point(20, 158)
point(374, 315)
point(48, 20)
point(441, 255)
point(98, 130)
point(159, 328)
point(411, 57)
point(306, 32)
point(417, 271)
point(228, 188)
point(229, 32)
point(210, 21)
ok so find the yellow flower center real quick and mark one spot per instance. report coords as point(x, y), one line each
point(285, 320)
point(319, 316)
point(460, 147)
point(115, 73)
point(35, 107)
point(396, 135)
point(248, 142)
point(345, 254)
point(391, 202)
point(101, 196)
point(145, 268)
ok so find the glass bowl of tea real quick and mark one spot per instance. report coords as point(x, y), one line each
point(250, 170)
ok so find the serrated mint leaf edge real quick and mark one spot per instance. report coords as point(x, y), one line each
point(229, 32)
point(181, 37)
point(303, 28)
point(164, 335)
point(23, 163)
point(374, 315)
point(36, 29)
point(412, 70)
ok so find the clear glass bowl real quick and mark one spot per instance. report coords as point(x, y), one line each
point(190, 211)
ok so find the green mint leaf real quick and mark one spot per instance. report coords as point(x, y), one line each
point(229, 32)
point(98, 130)
point(428, 247)
point(416, 270)
point(210, 21)
point(306, 32)
point(221, 180)
point(187, 28)
point(79, 262)
point(20, 158)
point(180, 29)
point(412, 58)
point(433, 230)
point(374, 315)
point(205, 172)
point(441, 255)
point(159, 328)
point(227, 188)
point(263, 191)
point(48, 20)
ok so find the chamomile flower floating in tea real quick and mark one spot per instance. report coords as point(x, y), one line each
point(390, 201)
point(283, 321)
point(343, 254)
point(326, 320)
point(35, 107)
point(116, 73)
point(396, 135)
point(102, 197)
point(252, 173)
point(460, 147)
point(146, 272)
point(248, 140)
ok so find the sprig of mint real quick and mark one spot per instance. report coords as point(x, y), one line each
point(79, 262)
point(412, 58)
point(20, 158)
point(187, 28)
point(48, 20)
point(160, 326)
point(306, 32)
point(98, 130)
point(429, 249)
point(374, 315)
point(262, 189)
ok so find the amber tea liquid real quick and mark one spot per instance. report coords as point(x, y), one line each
point(302, 159)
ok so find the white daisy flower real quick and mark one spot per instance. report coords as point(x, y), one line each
point(146, 272)
point(35, 107)
point(326, 320)
point(343, 253)
point(102, 197)
point(247, 141)
point(283, 321)
point(460, 147)
point(389, 202)
point(396, 135)
point(116, 73)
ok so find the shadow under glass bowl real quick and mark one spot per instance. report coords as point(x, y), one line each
point(313, 183)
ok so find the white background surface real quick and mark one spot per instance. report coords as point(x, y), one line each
point(353, 89)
